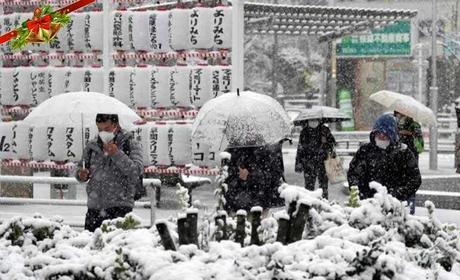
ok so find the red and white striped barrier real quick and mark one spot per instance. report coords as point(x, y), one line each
point(182, 170)
point(15, 110)
point(169, 55)
point(36, 56)
point(167, 113)
point(38, 165)
point(149, 169)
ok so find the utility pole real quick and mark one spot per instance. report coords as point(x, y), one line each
point(434, 92)
point(274, 62)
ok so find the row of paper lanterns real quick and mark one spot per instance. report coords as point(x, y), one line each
point(162, 144)
point(137, 87)
point(82, 34)
point(153, 31)
point(176, 29)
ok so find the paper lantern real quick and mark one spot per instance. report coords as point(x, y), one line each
point(121, 84)
point(69, 29)
point(78, 32)
point(179, 86)
point(58, 78)
point(55, 137)
point(6, 140)
point(142, 87)
point(39, 85)
point(8, 25)
point(200, 85)
point(21, 86)
point(201, 28)
point(39, 143)
point(94, 28)
point(120, 31)
point(22, 138)
point(73, 147)
point(141, 134)
point(7, 86)
point(179, 29)
point(159, 87)
point(225, 85)
point(93, 79)
point(199, 153)
point(181, 146)
point(164, 150)
point(76, 79)
point(61, 41)
point(90, 133)
point(159, 31)
point(222, 27)
point(141, 40)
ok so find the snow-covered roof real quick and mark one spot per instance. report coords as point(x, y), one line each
point(323, 21)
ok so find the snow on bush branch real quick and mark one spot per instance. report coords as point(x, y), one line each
point(376, 240)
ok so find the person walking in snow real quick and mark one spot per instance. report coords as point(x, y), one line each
point(113, 164)
point(385, 160)
point(316, 142)
point(410, 133)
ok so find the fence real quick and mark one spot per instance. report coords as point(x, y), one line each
point(153, 187)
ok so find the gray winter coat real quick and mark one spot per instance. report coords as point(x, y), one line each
point(112, 179)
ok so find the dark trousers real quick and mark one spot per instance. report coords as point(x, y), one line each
point(310, 179)
point(95, 217)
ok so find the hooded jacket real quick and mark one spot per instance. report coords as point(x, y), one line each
point(394, 167)
point(112, 179)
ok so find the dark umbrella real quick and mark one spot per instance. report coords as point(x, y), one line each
point(323, 114)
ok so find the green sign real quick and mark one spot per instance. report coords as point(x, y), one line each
point(391, 40)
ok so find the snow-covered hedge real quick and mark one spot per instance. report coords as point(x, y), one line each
point(376, 240)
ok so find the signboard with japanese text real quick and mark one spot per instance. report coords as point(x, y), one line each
point(391, 40)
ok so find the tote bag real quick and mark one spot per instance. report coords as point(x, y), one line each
point(334, 169)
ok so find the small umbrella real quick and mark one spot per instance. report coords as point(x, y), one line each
point(73, 108)
point(241, 120)
point(321, 113)
point(404, 104)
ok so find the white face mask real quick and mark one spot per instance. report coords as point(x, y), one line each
point(313, 124)
point(106, 136)
point(382, 144)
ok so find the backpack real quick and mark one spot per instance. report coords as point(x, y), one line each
point(140, 190)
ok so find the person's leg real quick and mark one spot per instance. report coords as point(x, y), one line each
point(310, 178)
point(323, 181)
point(116, 212)
point(93, 219)
point(411, 204)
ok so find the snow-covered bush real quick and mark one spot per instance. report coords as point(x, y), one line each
point(376, 240)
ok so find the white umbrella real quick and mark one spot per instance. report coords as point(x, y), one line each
point(404, 104)
point(73, 108)
point(241, 119)
point(321, 113)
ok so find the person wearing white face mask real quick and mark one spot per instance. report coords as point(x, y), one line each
point(113, 166)
point(385, 160)
point(315, 143)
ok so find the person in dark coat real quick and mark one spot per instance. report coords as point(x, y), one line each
point(111, 172)
point(254, 176)
point(316, 142)
point(410, 133)
point(385, 160)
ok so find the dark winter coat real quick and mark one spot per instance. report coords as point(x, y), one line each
point(414, 141)
point(112, 178)
point(261, 186)
point(394, 167)
point(314, 146)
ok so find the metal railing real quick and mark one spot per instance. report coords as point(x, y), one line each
point(151, 184)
